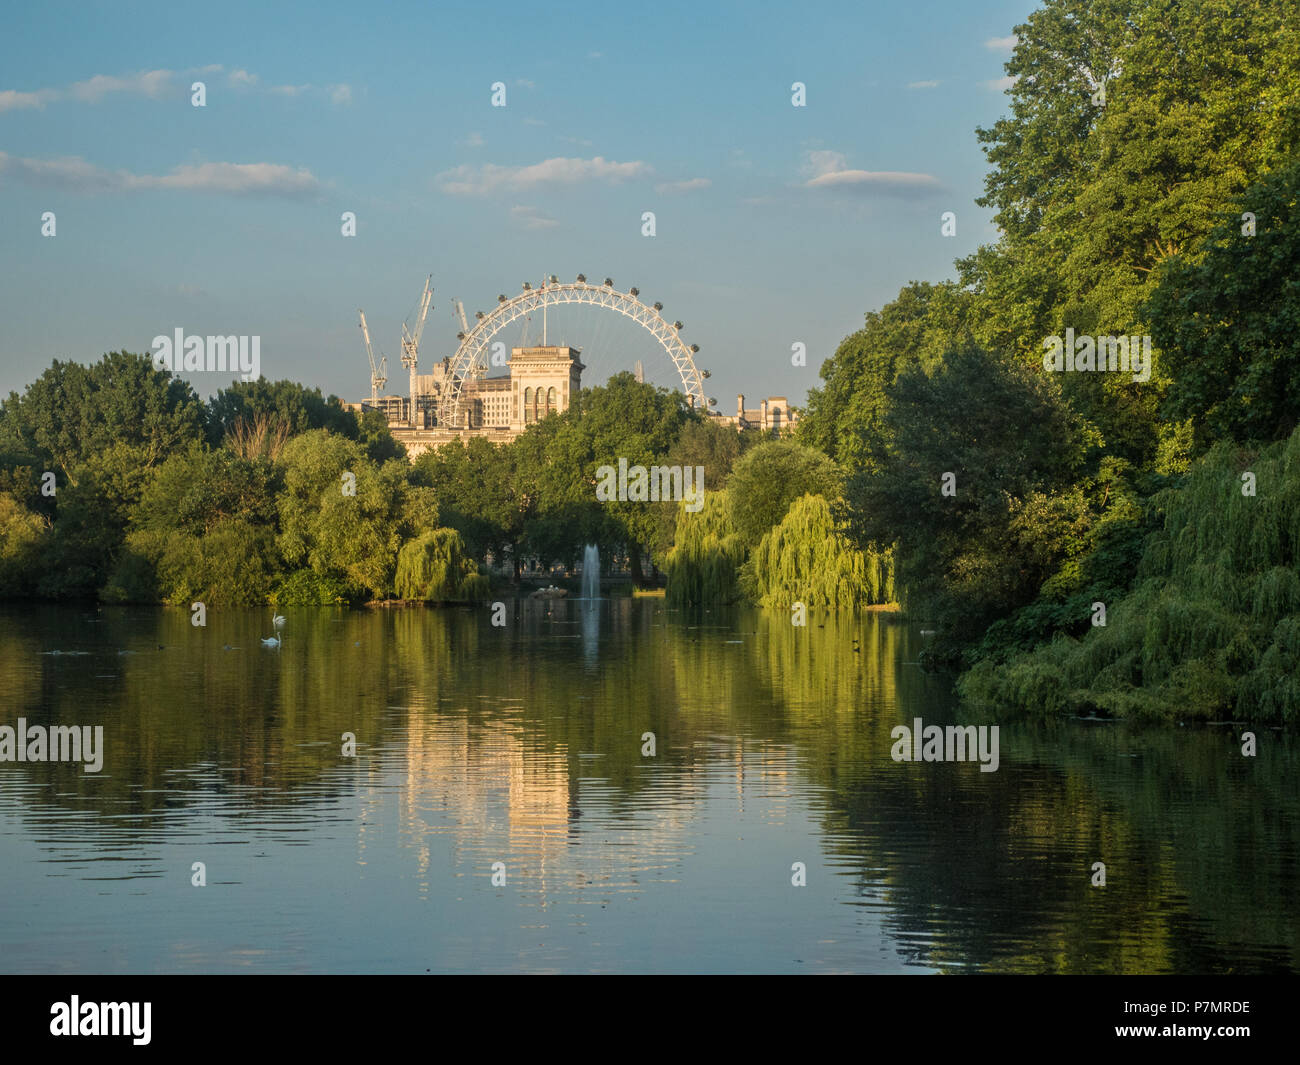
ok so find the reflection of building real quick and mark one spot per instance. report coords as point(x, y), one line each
point(482, 787)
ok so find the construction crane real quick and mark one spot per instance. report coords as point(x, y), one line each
point(378, 371)
point(411, 347)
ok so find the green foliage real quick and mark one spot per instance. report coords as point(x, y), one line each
point(702, 444)
point(306, 587)
point(23, 538)
point(71, 413)
point(434, 568)
point(771, 476)
point(845, 419)
point(554, 464)
point(298, 408)
point(807, 559)
point(704, 564)
point(1226, 322)
point(203, 531)
point(231, 565)
point(474, 486)
point(1211, 630)
point(965, 559)
point(1201, 98)
point(354, 537)
point(373, 434)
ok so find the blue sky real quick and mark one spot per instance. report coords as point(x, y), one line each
point(775, 224)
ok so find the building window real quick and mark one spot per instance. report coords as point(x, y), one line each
point(550, 401)
point(529, 413)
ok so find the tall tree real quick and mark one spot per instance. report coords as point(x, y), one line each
point(1227, 323)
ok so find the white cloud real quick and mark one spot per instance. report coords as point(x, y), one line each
point(1002, 44)
point(821, 162)
point(923, 84)
point(151, 83)
point(525, 83)
point(475, 140)
point(11, 100)
point(669, 188)
point(533, 122)
point(482, 180)
point(156, 85)
point(595, 55)
point(829, 170)
point(532, 218)
point(237, 179)
point(1000, 84)
point(68, 172)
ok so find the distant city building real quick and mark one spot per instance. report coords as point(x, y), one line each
point(772, 415)
point(541, 381)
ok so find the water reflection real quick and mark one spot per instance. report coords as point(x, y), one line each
point(522, 746)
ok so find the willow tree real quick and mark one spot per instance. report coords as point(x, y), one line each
point(1212, 627)
point(704, 563)
point(435, 568)
point(807, 559)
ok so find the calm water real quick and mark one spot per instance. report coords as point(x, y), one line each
point(522, 745)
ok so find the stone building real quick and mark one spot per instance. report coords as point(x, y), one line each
point(540, 381)
point(772, 415)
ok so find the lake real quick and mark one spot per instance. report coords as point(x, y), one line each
point(523, 745)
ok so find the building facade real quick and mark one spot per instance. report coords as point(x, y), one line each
point(541, 381)
point(772, 415)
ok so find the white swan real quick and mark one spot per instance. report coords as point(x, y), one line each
point(278, 622)
point(271, 641)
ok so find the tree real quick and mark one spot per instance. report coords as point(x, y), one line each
point(72, 412)
point(434, 567)
point(704, 563)
point(1093, 192)
point(203, 531)
point(1226, 321)
point(558, 458)
point(23, 537)
point(845, 418)
point(472, 483)
point(343, 515)
point(974, 441)
point(807, 559)
point(298, 408)
point(769, 478)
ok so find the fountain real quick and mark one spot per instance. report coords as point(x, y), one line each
point(591, 572)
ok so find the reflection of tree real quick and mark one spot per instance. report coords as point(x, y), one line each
point(524, 723)
point(972, 863)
